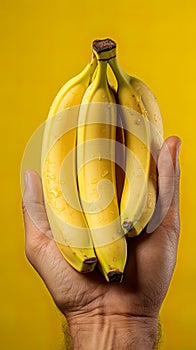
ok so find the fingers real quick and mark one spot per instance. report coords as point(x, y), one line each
point(41, 250)
point(166, 211)
point(169, 174)
point(168, 165)
point(37, 228)
point(33, 203)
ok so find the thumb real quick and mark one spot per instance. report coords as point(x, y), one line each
point(33, 187)
point(168, 184)
point(168, 165)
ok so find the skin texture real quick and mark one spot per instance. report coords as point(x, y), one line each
point(127, 311)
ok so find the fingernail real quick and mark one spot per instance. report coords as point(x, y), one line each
point(26, 178)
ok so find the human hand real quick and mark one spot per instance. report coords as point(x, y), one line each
point(117, 316)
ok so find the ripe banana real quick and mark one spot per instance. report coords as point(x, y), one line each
point(119, 151)
point(65, 215)
point(96, 172)
point(137, 140)
point(120, 158)
point(156, 136)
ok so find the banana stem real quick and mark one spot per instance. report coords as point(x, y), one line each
point(105, 50)
point(121, 76)
point(88, 70)
point(101, 76)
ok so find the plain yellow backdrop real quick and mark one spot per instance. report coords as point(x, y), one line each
point(43, 44)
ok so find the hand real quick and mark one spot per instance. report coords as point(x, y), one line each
point(90, 304)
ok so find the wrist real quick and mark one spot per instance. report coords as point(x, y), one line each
point(113, 332)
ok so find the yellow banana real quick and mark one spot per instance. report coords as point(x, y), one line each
point(153, 111)
point(137, 141)
point(157, 135)
point(120, 158)
point(96, 173)
point(66, 218)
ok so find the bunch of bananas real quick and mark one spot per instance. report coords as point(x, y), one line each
point(99, 163)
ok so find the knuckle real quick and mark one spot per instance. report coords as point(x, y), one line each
point(24, 209)
point(35, 246)
point(30, 249)
point(171, 231)
point(176, 229)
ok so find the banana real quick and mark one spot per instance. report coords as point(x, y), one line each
point(153, 112)
point(137, 141)
point(120, 158)
point(65, 214)
point(119, 151)
point(157, 136)
point(96, 172)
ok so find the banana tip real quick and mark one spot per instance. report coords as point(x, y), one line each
point(127, 225)
point(115, 276)
point(90, 261)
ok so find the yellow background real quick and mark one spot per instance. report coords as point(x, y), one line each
point(43, 44)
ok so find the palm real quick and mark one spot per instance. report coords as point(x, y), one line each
point(141, 292)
